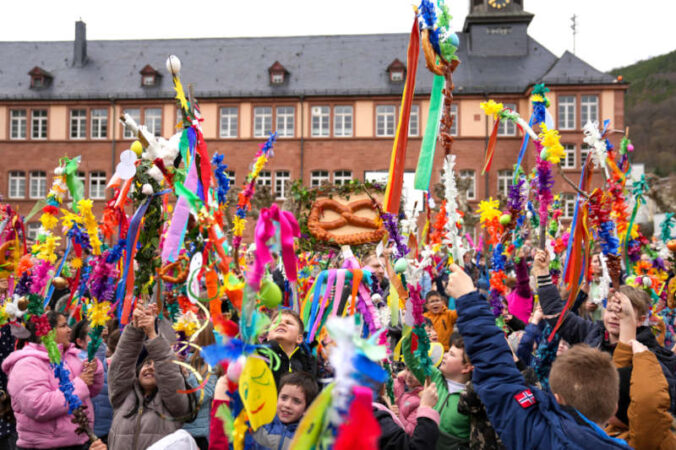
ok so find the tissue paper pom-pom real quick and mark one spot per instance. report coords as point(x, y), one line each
point(147, 189)
point(491, 108)
point(41, 323)
point(488, 210)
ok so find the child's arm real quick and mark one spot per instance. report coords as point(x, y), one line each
point(530, 336)
point(573, 329)
point(122, 369)
point(496, 379)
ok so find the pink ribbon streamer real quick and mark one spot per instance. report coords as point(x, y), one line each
point(265, 230)
point(176, 233)
point(331, 279)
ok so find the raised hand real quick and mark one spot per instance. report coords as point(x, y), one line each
point(459, 283)
point(428, 396)
point(541, 263)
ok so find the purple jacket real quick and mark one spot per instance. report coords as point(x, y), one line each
point(42, 419)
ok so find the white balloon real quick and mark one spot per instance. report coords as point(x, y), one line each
point(128, 156)
point(125, 171)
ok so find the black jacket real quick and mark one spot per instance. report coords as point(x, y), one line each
point(301, 360)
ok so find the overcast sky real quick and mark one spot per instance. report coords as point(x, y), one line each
point(611, 33)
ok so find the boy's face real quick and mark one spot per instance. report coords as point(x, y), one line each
point(285, 329)
point(291, 404)
point(435, 304)
point(453, 365)
point(431, 333)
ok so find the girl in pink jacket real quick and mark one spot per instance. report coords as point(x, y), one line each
point(407, 401)
point(42, 419)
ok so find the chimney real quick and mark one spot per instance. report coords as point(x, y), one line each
point(80, 45)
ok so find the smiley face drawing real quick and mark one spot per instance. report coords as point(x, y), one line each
point(258, 391)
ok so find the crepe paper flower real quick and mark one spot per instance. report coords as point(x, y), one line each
point(76, 263)
point(488, 210)
point(550, 140)
point(390, 224)
point(598, 145)
point(491, 108)
point(41, 323)
point(496, 303)
point(48, 221)
point(666, 226)
point(626, 146)
point(222, 178)
point(98, 314)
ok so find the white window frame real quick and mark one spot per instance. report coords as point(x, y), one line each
point(320, 121)
point(414, 121)
point(231, 176)
point(343, 120)
point(454, 115)
point(97, 185)
point(39, 124)
point(386, 120)
point(589, 109)
point(568, 201)
point(285, 119)
point(342, 177)
point(228, 121)
point(134, 113)
point(16, 186)
point(148, 80)
point(397, 75)
point(152, 119)
point(504, 181)
point(566, 112)
point(32, 230)
point(99, 123)
point(78, 124)
point(264, 179)
point(585, 150)
point(319, 177)
point(277, 78)
point(18, 123)
point(38, 184)
point(262, 118)
point(568, 161)
point(507, 127)
point(282, 179)
point(469, 174)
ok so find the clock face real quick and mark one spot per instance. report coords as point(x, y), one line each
point(498, 4)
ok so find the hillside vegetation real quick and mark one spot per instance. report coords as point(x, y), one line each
point(650, 110)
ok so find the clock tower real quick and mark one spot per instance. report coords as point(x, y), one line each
point(497, 28)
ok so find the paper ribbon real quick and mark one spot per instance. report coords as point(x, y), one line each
point(398, 158)
point(75, 185)
point(423, 172)
point(490, 148)
point(265, 230)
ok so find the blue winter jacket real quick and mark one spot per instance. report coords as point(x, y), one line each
point(537, 421)
point(103, 411)
point(200, 426)
point(275, 435)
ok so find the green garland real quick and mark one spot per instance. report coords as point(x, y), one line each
point(149, 237)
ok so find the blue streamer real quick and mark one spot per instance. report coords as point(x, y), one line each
point(50, 290)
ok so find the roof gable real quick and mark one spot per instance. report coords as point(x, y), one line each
point(569, 69)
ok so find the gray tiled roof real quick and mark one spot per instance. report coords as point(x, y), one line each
point(237, 67)
point(570, 69)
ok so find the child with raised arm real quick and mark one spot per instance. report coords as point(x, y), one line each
point(584, 384)
point(645, 421)
point(442, 318)
point(145, 397)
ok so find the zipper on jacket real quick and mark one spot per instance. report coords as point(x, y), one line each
point(137, 430)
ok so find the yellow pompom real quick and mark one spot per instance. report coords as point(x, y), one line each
point(137, 148)
point(491, 108)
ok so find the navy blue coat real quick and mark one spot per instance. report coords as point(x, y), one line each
point(498, 382)
point(103, 411)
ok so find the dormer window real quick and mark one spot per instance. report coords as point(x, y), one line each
point(277, 73)
point(397, 71)
point(149, 76)
point(40, 78)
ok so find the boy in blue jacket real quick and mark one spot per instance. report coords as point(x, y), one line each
point(297, 390)
point(584, 382)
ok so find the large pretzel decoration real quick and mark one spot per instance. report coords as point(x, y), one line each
point(322, 230)
point(182, 275)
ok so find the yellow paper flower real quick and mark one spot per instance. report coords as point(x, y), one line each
point(258, 165)
point(550, 140)
point(85, 205)
point(238, 226)
point(98, 314)
point(76, 263)
point(68, 219)
point(491, 108)
point(187, 325)
point(537, 98)
point(48, 221)
point(488, 210)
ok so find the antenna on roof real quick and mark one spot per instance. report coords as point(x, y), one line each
point(573, 27)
